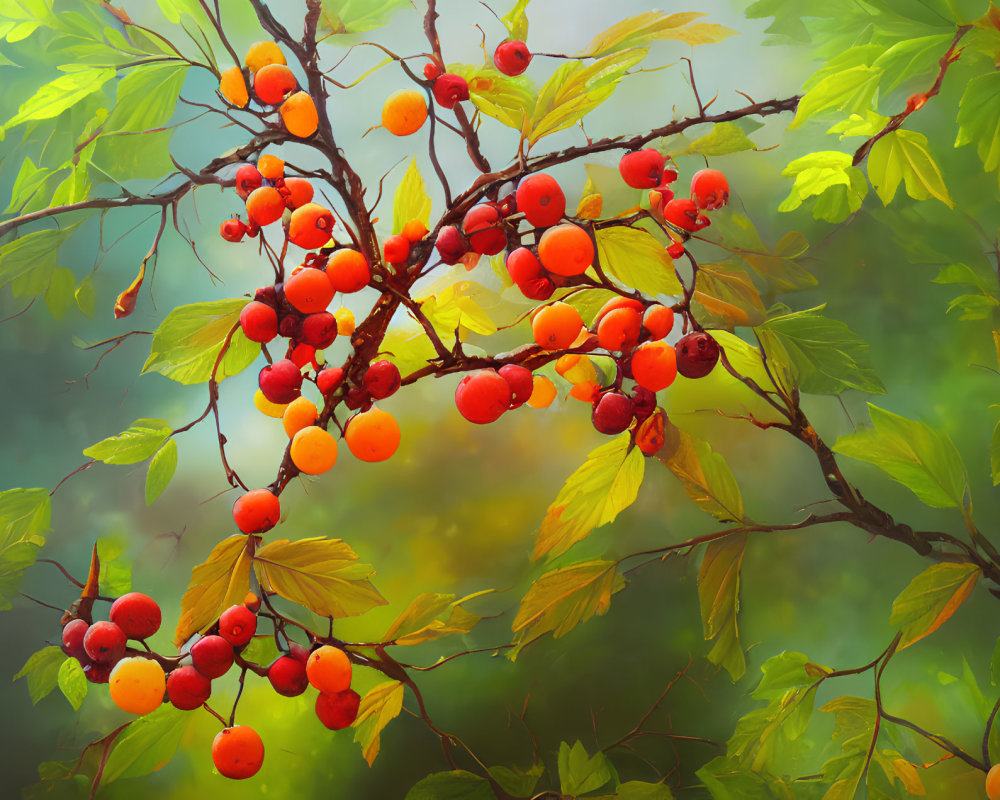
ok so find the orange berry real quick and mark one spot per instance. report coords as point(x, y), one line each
point(329, 669)
point(348, 271)
point(658, 320)
point(266, 407)
point(313, 450)
point(993, 782)
point(565, 363)
point(265, 205)
point(345, 321)
point(566, 250)
point(616, 302)
point(137, 685)
point(270, 167)
point(556, 326)
point(238, 752)
point(620, 329)
point(404, 112)
point(257, 511)
point(587, 391)
point(261, 54)
point(300, 192)
point(309, 290)
point(396, 249)
point(650, 434)
point(299, 414)
point(299, 114)
point(543, 392)
point(414, 230)
point(233, 87)
point(372, 435)
point(654, 365)
point(310, 226)
point(273, 82)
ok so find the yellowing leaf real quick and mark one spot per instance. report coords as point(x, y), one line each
point(719, 595)
point(931, 598)
point(221, 581)
point(378, 708)
point(607, 483)
point(904, 155)
point(724, 138)
point(705, 476)
point(507, 99)
point(637, 259)
point(411, 200)
point(418, 623)
point(642, 29)
point(460, 306)
point(321, 574)
point(516, 21)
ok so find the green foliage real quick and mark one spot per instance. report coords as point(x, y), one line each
point(72, 682)
point(161, 470)
point(357, 16)
point(137, 443)
point(42, 670)
point(635, 257)
point(840, 188)
point(378, 708)
point(904, 156)
point(146, 744)
point(420, 621)
point(705, 476)
point(455, 785)
point(719, 595)
point(931, 598)
point(25, 515)
point(516, 781)
point(580, 773)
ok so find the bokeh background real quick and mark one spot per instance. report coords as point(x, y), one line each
point(456, 509)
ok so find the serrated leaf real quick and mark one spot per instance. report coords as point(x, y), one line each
point(187, 343)
point(137, 443)
point(903, 155)
point(56, 96)
point(42, 671)
point(507, 99)
point(32, 253)
point(724, 138)
point(147, 744)
point(222, 580)
point(579, 772)
point(411, 200)
point(979, 118)
point(912, 453)
point(725, 780)
point(72, 682)
point(161, 470)
point(321, 574)
point(455, 785)
point(147, 96)
point(516, 781)
point(607, 483)
point(642, 29)
point(561, 599)
point(635, 257)
point(516, 22)
point(705, 476)
point(851, 90)
point(719, 596)
point(357, 16)
point(931, 598)
point(854, 723)
point(378, 708)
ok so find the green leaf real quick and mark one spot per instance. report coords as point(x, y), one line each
point(787, 670)
point(161, 470)
point(911, 58)
point(357, 16)
point(187, 343)
point(982, 279)
point(146, 98)
point(84, 294)
point(828, 175)
point(854, 723)
point(42, 671)
point(147, 744)
point(579, 772)
point(725, 780)
point(931, 598)
point(733, 287)
point(507, 99)
point(378, 708)
point(25, 515)
point(704, 474)
point(607, 483)
point(455, 785)
point(516, 781)
point(516, 22)
point(72, 682)
point(635, 257)
point(719, 595)
point(904, 155)
point(995, 455)
point(725, 138)
point(411, 200)
point(59, 295)
point(851, 90)
point(979, 118)
point(55, 97)
point(640, 790)
point(912, 453)
point(30, 179)
point(34, 252)
point(642, 29)
point(130, 156)
point(826, 355)
point(116, 570)
point(561, 599)
point(137, 443)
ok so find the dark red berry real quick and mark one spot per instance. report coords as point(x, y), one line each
point(97, 673)
point(259, 322)
point(512, 58)
point(643, 402)
point(520, 381)
point(357, 397)
point(187, 688)
point(281, 381)
point(288, 676)
point(382, 379)
point(212, 656)
point(137, 614)
point(339, 710)
point(105, 642)
point(290, 325)
point(319, 329)
point(237, 625)
point(450, 89)
point(72, 639)
point(450, 245)
point(431, 70)
point(613, 413)
point(298, 652)
point(247, 179)
point(267, 295)
point(642, 169)
point(697, 354)
point(482, 226)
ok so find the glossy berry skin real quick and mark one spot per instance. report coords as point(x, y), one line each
point(212, 656)
point(97, 673)
point(137, 685)
point(382, 379)
point(993, 782)
point(187, 688)
point(709, 189)
point(697, 355)
point(483, 396)
point(105, 642)
point(512, 58)
point(72, 639)
point(643, 402)
point(233, 230)
point(520, 380)
point(273, 82)
point(432, 70)
point(298, 652)
point(303, 354)
point(676, 250)
point(642, 169)
point(450, 89)
point(329, 379)
point(682, 213)
point(247, 179)
point(265, 205)
point(613, 413)
point(237, 625)
point(259, 322)
point(309, 290)
point(619, 329)
point(318, 330)
point(654, 365)
point(348, 271)
point(482, 226)
point(288, 676)
point(238, 752)
point(658, 321)
point(257, 511)
point(566, 250)
point(338, 710)
point(329, 669)
point(137, 614)
point(450, 245)
point(310, 226)
point(372, 435)
point(528, 274)
point(281, 382)
point(396, 249)
point(540, 198)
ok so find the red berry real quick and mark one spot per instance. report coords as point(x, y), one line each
point(396, 249)
point(267, 295)
point(281, 381)
point(643, 402)
point(137, 614)
point(520, 380)
point(338, 710)
point(642, 169)
point(309, 290)
point(682, 213)
point(290, 325)
point(482, 396)
point(257, 511)
point(512, 58)
point(298, 652)
point(288, 676)
point(247, 179)
point(482, 226)
point(187, 688)
point(259, 322)
point(450, 89)
point(668, 177)
point(318, 330)
point(382, 379)
point(212, 656)
point(697, 354)
point(450, 245)
point(541, 199)
point(302, 354)
point(709, 189)
point(431, 70)
point(613, 413)
point(357, 397)
point(237, 625)
point(233, 230)
point(329, 379)
point(526, 271)
point(72, 639)
point(105, 642)
point(97, 673)
point(676, 250)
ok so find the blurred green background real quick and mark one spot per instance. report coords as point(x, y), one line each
point(456, 509)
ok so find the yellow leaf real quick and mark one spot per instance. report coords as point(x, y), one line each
point(221, 581)
point(642, 29)
point(705, 476)
point(637, 259)
point(411, 200)
point(418, 623)
point(378, 708)
point(931, 598)
point(719, 595)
